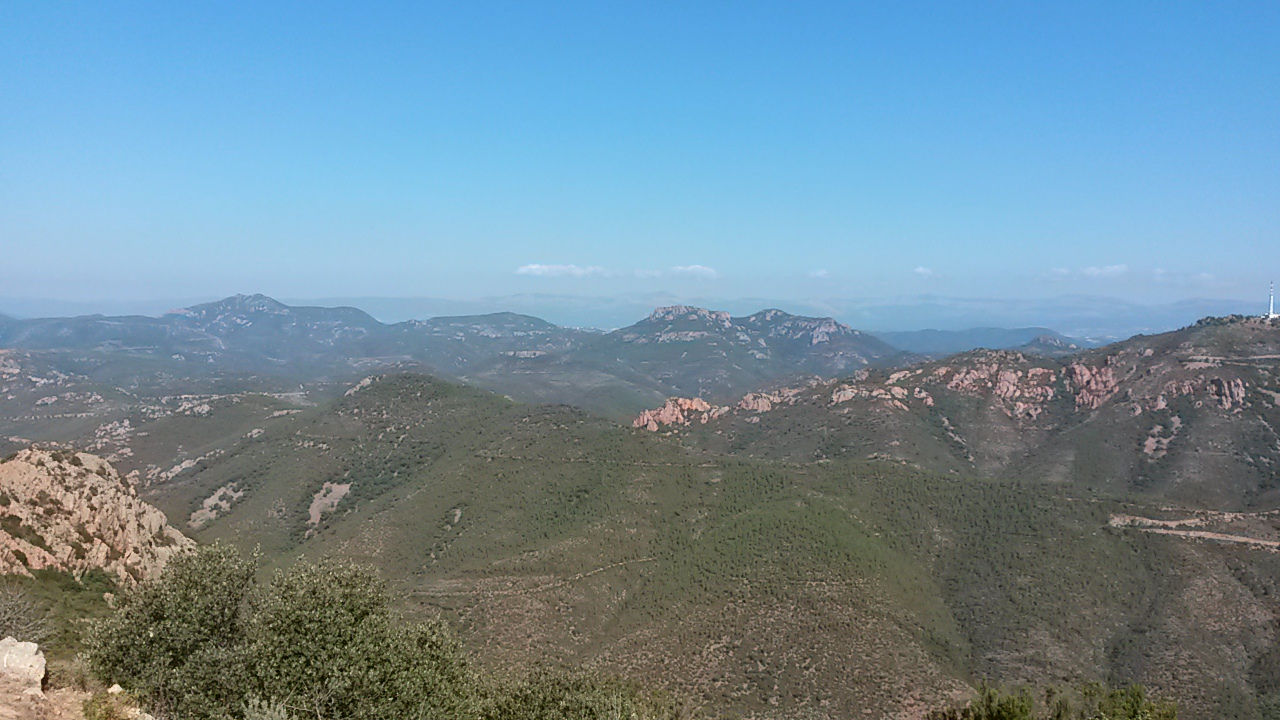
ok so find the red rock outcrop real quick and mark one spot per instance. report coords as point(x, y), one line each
point(1093, 386)
point(765, 401)
point(678, 411)
point(1227, 393)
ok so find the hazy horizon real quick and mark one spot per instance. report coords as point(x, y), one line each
point(1090, 318)
point(795, 153)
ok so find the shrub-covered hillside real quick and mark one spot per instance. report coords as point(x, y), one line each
point(544, 534)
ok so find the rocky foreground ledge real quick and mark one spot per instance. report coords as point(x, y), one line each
point(24, 695)
point(73, 512)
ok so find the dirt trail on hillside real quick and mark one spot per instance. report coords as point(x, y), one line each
point(1168, 527)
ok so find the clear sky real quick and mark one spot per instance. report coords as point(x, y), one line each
point(785, 149)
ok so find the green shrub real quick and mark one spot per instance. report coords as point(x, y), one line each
point(175, 642)
point(202, 642)
point(324, 638)
point(992, 704)
point(256, 709)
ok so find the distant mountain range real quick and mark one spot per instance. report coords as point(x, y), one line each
point(1094, 318)
point(949, 342)
point(676, 350)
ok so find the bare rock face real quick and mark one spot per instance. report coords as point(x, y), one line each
point(22, 661)
point(1227, 393)
point(73, 512)
point(762, 402)
point(1093, 385)
point(678, 411)
point(684, 411)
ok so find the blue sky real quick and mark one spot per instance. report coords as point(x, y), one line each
point(730, 149)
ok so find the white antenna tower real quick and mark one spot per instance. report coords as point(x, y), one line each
point(1271, 306)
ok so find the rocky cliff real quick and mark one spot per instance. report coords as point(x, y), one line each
point(73, 512)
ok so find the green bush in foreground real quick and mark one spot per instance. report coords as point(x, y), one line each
point(1092, 702)
point(177, 643)
point(324, 639)
point(204, 642)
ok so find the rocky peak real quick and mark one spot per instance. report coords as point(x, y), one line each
point(73, 512)
point(1053, 341)
point(767, 316)
point(674, 313)
point(779, 324)
point(234, 305)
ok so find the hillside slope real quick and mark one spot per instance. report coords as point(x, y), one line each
point(1190, 416)
point(764, 589)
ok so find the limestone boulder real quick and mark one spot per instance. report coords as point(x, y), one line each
point(22, 661)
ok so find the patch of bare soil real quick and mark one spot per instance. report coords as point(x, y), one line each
point(18, 702)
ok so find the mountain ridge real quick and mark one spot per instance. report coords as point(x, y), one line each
point(950, 342)
point(516, 354)
point(1188, 415)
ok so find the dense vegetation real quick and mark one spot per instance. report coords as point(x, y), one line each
point(205, 641)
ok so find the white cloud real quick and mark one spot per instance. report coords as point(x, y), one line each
point(819, 274)
point(924, 272)
point(1105, 271)
point(701, 271)
point(559, 270)
point(1060, 272)
point(648, 273)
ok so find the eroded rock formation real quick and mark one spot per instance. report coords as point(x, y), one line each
point(73, 512)
point(678, 411)
point(1093, 385)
